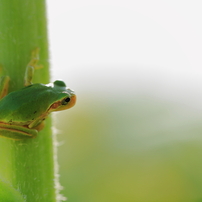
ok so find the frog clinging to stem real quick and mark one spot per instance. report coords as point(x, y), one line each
point(22, 112)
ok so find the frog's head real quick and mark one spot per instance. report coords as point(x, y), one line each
point(66, 97)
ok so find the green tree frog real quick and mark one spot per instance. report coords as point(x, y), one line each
point(22, 112)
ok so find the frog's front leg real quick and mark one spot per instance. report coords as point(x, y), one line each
point(4, 84)
point(16, 132)
point(32, 65)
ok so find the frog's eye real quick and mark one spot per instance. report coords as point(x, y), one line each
point(66, 101)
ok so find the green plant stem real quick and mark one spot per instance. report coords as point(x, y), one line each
point(26, 165)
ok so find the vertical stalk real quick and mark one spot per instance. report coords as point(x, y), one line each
point(26, 166)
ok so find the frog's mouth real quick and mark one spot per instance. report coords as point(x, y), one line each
point(63, 104)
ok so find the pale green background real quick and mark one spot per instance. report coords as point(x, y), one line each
point(135, 134)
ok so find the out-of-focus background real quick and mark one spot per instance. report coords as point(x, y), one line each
point(135, 134)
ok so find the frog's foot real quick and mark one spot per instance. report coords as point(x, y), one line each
point(32, 65)
point(40, 126)
point(16, 132)
point(34, 58)
point(4, 84)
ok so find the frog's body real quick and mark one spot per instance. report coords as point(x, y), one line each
point(29, 97)
point(22, 112)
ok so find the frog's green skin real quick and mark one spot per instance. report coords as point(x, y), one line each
point(22, 112)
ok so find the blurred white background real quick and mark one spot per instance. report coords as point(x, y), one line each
point(136, 67)
point(128, 47)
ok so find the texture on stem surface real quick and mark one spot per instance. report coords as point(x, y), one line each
point(27, 167)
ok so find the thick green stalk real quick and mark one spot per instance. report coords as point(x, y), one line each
point(25, 166)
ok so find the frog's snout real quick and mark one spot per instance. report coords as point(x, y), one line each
point(72, 101)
